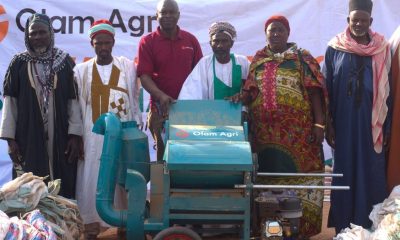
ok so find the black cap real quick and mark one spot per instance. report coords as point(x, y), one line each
point(364, 5)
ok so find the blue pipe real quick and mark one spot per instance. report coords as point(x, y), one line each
point(136, 215)
point(110, 126)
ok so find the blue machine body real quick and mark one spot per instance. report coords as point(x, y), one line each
point(206, 154)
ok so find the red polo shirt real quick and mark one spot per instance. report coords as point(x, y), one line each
point(167, 61)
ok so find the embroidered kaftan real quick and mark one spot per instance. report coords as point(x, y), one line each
point(117, 95)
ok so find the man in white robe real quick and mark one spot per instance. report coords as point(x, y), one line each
point(106, 84)
point(219, 74)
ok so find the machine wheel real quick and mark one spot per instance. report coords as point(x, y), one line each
point(177, 233)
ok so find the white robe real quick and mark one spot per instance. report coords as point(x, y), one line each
point(395, 40)
point(88, 169)
point(200, 83)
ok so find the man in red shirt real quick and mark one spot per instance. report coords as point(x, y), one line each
point(165, 59)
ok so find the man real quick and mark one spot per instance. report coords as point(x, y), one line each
point(394, 150)
point(220, 74)
point(356, 68)
point(106, 84)
point(41, 118)
point(165, 59)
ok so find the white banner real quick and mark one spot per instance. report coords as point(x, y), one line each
point(312, 22)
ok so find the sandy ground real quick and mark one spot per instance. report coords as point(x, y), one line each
point(326, 234)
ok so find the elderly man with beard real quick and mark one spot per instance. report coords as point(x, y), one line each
point(356, 68)
point(219, 74)
point(41, 118)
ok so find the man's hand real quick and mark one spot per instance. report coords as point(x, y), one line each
point(13, 151)
point(245, 116)
point(386, 143)
point(237, 98)
point(245, 97)
point(165, 101)
point(81, 149)
point(74, 148)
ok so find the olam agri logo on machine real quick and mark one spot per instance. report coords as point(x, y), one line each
point(3, 24)
point(197, 132)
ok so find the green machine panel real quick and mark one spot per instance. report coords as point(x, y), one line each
point(205, 112)
point(207, 164)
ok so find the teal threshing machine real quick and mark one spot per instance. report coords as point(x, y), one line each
point(204, 180)
point(206, 155)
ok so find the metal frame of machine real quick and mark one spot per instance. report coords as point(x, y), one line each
point(205, 178)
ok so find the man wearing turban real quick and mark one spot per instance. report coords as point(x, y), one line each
point(356, 68)
point(41, 118)
point(106, 83)
point(220, 74)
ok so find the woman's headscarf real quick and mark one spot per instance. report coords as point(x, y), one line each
point(277, 18)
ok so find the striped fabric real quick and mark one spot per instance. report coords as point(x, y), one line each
point(34, 227)
point(100, 27)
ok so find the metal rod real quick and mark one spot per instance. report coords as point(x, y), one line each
point(292, 187)
point(300, 174)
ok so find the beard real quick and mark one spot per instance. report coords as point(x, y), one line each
point(358, 34)
point(40, 50)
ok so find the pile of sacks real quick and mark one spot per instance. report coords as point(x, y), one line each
point(385, 217)
point(33, 225)
point(43, 214)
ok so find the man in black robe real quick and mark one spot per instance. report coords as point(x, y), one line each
point(41, 118)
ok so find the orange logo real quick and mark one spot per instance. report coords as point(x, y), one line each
point(182, 134)
point(3, 25)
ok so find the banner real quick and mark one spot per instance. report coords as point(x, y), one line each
point(313, 23)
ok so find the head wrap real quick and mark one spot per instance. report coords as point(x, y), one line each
point(101, 26)
point(277, 18)
point(364, 5)
point(49, 62)
point(223, 27)
point(43, 19)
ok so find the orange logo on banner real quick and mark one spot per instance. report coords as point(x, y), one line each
point(3, 25)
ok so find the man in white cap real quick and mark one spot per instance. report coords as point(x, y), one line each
point(219, 74)
point(106, 84)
